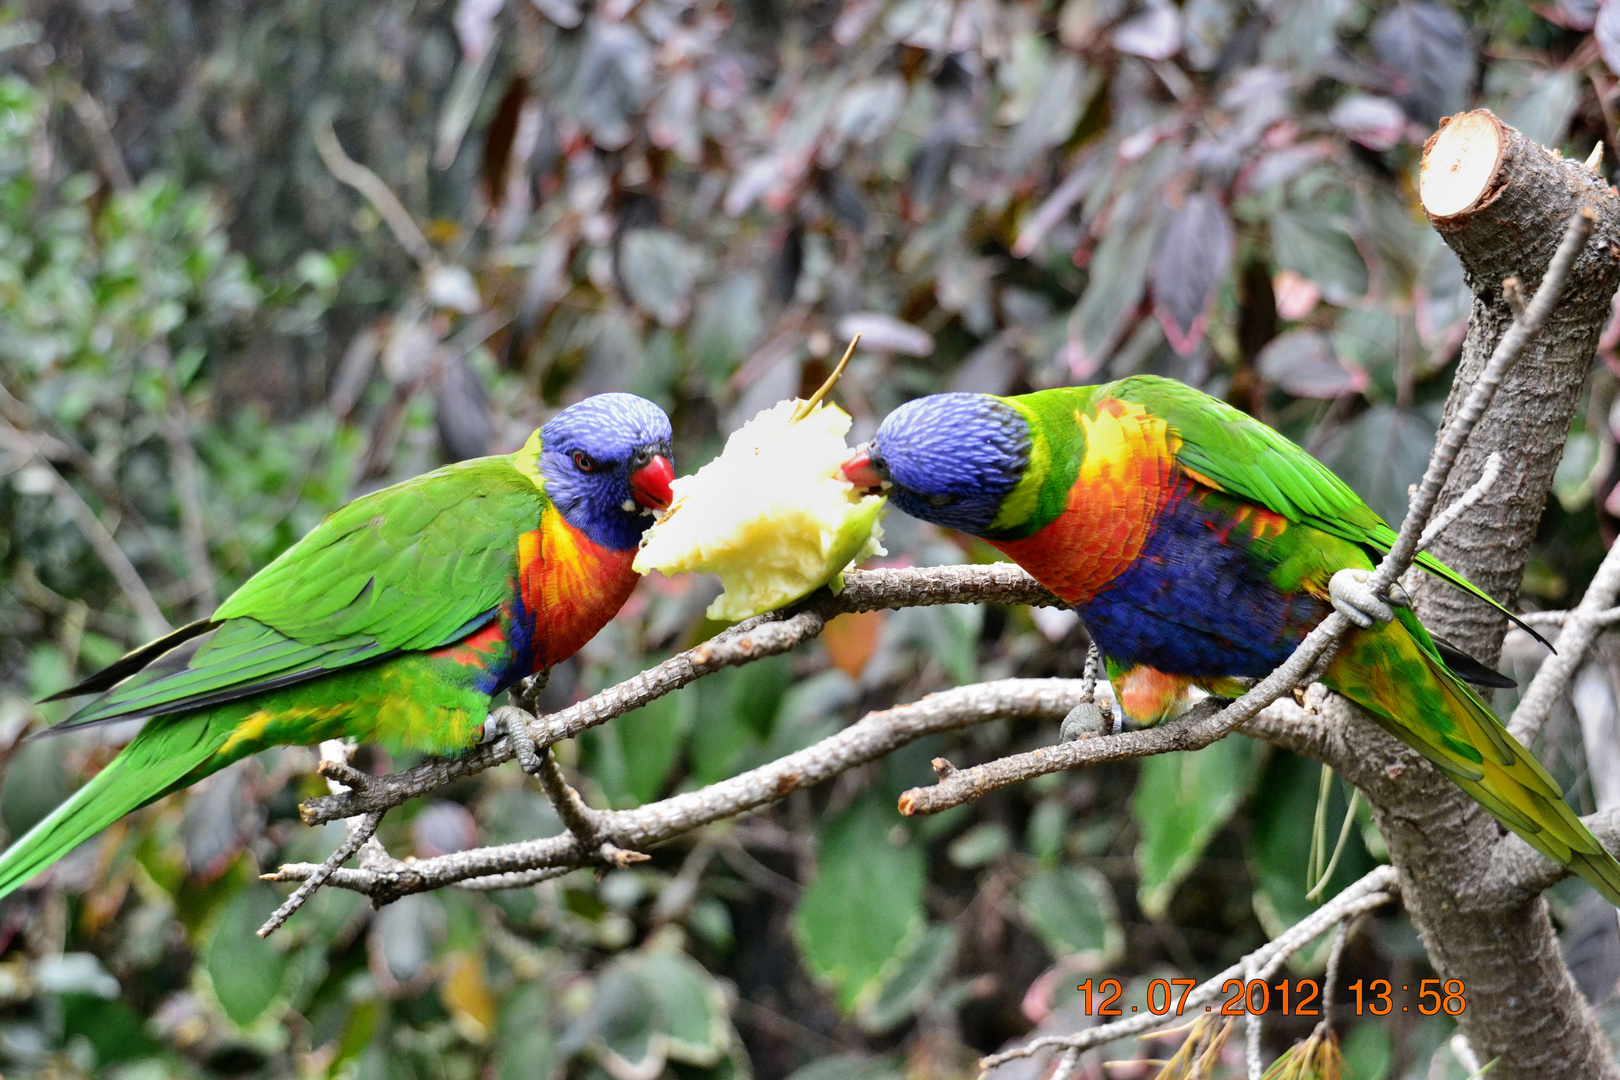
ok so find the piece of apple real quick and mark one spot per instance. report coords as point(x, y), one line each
point(772, 516)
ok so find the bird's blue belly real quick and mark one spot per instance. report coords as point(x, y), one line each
point(1196, 602)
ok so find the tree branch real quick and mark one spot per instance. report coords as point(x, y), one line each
point(868, 739)
point(864, 590)
point(1580, 628)
point(1518, 871)
point(377, 192)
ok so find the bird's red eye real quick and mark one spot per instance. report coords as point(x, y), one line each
point(584, 462)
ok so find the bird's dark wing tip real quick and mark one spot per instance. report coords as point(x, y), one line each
point(133, 661)
point(1468, 669)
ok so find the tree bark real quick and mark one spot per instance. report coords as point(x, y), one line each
point(1511, 231)
point(1522, 1005)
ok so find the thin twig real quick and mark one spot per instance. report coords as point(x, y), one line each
point(28, 434)
point(1447, 517)
point(101, 541)
point(319, 876)
point(377, 192)
point(360, 831)
point(1330, 978)
point(182, 455)
point(1581, 628)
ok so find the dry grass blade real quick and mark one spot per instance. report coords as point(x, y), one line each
point(1317, 1058)
point(1200, 1052)
point(832, 380)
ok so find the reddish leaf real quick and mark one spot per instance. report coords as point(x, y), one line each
point(498, 141)
point(1303, 363)
point(1374, 122)
point(1607, 32)
point(1155, 34)
point(1428, 47)
point(1571, 14)
point(1194, 253)
point(852, 638)
point(1296, 296)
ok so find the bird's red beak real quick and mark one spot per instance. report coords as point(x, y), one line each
point(650, 483)
point(858, 470)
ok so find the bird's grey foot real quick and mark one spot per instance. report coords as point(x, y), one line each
point(1084, 721)
point(1355, 601)
point(512, 723)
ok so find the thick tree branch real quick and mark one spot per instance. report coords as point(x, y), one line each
point(1523, 1007)
point(1518, 872)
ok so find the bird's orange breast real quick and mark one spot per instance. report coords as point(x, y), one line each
point(1127, 473)
point(571, 587)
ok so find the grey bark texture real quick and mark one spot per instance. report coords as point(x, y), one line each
point(1523, 1007)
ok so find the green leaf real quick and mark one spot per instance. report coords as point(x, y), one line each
point(1380, 454)
point(694, 1007)
point(34, 784)
point(658, 269)
point(846, 1067)
point(863, 906)
point(1119, 270)
point(949, 633)
point(633, 757)
point(984, 843)
point(246, 969)
point(755, 693)
point(626, 1019)
point(726, 325)
point(1321, 252)
point(1368, 1052)
point(527, 1046)
point(1181, 801)
point(1543, 106)
point(1072, 910)
point(114, 1028)
point(913, 981)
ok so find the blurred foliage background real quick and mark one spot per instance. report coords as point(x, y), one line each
point(208, 340)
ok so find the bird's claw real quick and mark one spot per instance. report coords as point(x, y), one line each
point(1084, 721)
point(502, 722)
point(1088, 720)
point(1351, 598)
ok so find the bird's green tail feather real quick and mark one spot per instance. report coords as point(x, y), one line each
point(1394, 673)
point(169, 753)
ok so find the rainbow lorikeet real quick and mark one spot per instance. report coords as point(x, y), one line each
point(1199, 547)
point(395, 621)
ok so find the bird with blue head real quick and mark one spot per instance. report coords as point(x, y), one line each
point(1199, 547)
point(395, 621)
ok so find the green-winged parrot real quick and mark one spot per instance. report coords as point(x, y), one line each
point(395, 621)
point(1199, 547)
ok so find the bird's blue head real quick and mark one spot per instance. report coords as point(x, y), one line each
point(606, 462)
point(949, 458)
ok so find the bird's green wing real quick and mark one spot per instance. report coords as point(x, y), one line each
point(414, 566)
point(1238, 454)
